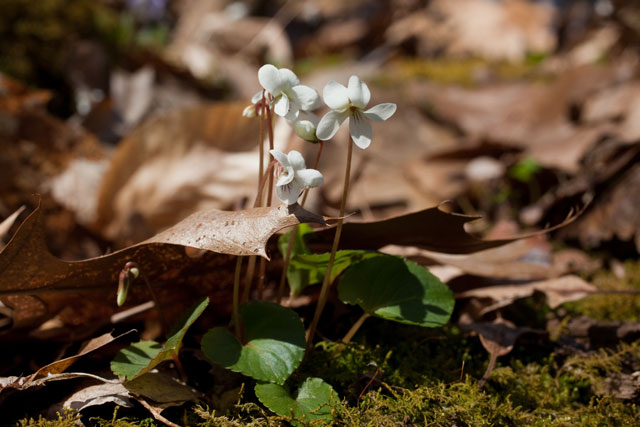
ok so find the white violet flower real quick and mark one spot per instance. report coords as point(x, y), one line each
point(294, 176)
point(289, 96)
point(350, 102)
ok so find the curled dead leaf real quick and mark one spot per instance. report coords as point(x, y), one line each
point(558, 291)
point(30, 273)
point(432, 229)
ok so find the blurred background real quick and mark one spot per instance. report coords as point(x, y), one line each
point(514, 110)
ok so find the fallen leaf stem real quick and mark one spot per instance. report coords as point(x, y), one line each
point(347, 337)
point(326, 283)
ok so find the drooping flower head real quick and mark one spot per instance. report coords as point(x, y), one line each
point(350, 102)
point(293, 176)
point(289, 96)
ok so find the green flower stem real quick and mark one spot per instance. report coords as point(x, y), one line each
point(326, 283)
point(355, 327)
point(294, 232)
point(236, 298)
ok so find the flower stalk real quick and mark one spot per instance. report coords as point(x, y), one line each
point(326, 283)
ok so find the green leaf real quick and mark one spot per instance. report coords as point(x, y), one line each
point(275, 343)
point(298, 279)
point(130, 361)
point(299, 242)
point(311, 268)
point(397, 289)
point(180, 327)
point(313, 402)
point(141, 357)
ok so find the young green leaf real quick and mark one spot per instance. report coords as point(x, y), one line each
point(397, 289)
point(310, 268)
point(130, 361)
point(141, 357)
point(275, 343)
point(314, 401)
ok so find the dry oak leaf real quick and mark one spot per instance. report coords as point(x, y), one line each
point(28, 270)
point(558, 291)
point(432, 229)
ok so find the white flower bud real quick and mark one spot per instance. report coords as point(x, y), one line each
point(249, 111)
point(306, 130)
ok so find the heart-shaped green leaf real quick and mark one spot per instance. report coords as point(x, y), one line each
point(397, 289)
point(141, 357)
point(313, 402)
point(275, 343)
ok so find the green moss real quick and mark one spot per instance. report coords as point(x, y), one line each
point(614, 307)
point(67, 419)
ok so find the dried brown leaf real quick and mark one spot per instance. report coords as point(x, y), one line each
point(27, 268)
point(431, 229)
point(498, 338)
point(60, 366)
point(558, 291)
point(95, 395)
point(505, 262)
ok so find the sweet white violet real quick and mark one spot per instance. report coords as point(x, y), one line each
point(293, 176)
point(289, 96)
point(350, 102)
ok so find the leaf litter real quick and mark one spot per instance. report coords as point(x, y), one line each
point(569, 120)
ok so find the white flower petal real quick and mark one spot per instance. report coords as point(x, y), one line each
point(309, 177)
point(380, 112)
point(269, 79)
point(335, 96)
point(286, 176)
point(289, 193)
point(256, 98)
point(360, 130)
point(282, 105)
point(359, 93)
point(306, 97)
point(307, 115)
point(296, 160)
point(288, 78)
point(280, 157)
point(329, 124)
point(293, 113)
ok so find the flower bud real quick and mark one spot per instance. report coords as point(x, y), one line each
point(249, 111)
point(306, 130)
